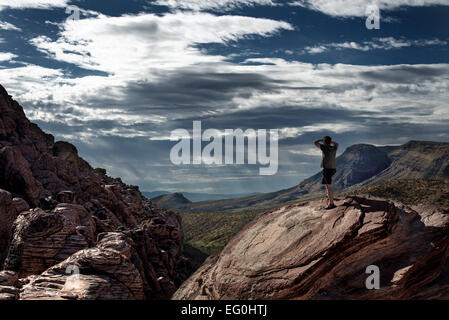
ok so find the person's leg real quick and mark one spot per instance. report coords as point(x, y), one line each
point(330, 194)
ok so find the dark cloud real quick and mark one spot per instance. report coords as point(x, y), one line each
point(184, 91)
point(406, 73)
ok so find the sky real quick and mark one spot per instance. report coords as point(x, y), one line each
point(117, 81)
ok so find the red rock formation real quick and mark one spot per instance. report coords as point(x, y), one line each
point(58, 213)
point(306, 252)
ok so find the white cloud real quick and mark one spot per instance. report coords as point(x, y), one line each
point(31, 83)
point(387, 43)
point(34, 4)
point(306, 150)
point(333, 127)
point(199, 5)
point(6, 56)
point(316, 49)
point(149, 42)
point(357, 8)
point(130, 49)
point(8, 26)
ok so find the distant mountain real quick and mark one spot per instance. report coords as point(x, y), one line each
point(173, 200)
point(196, 197)
point(360, 165)
point(154, 194)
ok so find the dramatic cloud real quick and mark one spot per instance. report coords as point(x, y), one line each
point(150, 41)
point(158, 66)
point(357, 8)
point(387, 43)
point(117, 86)
point(373, 104)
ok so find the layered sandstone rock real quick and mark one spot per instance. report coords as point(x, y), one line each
point(306, 252)
point(57, 213)
point(110, 270)
point(9, 285)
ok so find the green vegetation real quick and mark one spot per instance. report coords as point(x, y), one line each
point(210, 232)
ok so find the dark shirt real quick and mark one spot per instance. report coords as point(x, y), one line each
point(329, 154)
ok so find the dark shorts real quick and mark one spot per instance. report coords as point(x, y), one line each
point(327, 175)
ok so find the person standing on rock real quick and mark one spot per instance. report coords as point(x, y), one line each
point(329, 165)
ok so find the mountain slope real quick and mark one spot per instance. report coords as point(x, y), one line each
point(416, 160)
point(58, 213)
point(305, 252)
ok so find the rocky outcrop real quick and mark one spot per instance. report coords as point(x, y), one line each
point(306, 252)
point(57, 213)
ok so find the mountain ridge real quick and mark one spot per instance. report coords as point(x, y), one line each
point(198, 197)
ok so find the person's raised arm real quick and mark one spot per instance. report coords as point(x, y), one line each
point(335, 144)
point(317, 143)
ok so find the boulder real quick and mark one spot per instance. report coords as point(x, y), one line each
point(102, 273)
